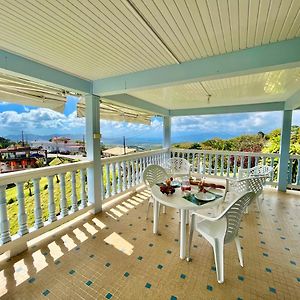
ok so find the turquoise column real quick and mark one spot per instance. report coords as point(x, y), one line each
point(167, 132)
point(167, 137)
point(284, 150)
point(94, 174)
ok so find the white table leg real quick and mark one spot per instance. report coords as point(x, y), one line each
point(182, 233)
point(187, 219)
point(155, 216)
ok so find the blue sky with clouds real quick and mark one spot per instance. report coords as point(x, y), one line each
point(15, 118)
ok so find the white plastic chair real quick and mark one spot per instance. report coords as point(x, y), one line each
point(221, 230)
point(152, 175)
point(263, 171)
point(260, 170)
point(178, 166)
point(240, 186)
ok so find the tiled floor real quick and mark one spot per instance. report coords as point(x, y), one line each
point(114, 255)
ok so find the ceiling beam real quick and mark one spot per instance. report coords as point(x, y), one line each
point(275, 56)
point(135, 102)
point(246, 108)
point(293, 102)
point(16, 65)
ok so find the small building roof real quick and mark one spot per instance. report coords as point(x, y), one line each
point(118, 151)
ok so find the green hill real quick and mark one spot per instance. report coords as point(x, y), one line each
point(266, 143)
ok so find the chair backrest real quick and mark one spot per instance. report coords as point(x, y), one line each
point(240, 186)
point(154, 174)
point(234, 215)
point(178, 165)
point(260, 170)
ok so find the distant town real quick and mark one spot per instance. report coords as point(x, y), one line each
point(16, 156)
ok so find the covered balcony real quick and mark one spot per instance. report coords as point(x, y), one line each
point(146, 59)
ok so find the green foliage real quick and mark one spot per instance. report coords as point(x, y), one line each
point(4, 143)
point(247, 143)
point(272, 144)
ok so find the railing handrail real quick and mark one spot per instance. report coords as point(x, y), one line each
point(22, 176)
point(226, 152)
point(133, 156)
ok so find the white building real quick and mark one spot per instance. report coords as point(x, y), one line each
point(59, 145)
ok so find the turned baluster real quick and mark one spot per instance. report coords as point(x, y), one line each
point(63, 199)
point(83, 197)
point(74, 195)
point(22, 216)
point(38, 221)
point(4, 223)
point(51, 203)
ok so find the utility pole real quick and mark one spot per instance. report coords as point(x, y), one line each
point(124, 145)
point(23, 139)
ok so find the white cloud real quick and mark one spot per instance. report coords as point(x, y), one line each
point(39, 121)
point(229, 123)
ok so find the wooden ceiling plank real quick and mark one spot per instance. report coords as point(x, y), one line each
point(243, 23)
point(290, 20)
point(197, 41)
point(207, 24)
point(125, 45)
point(160, 25)
point(137, 32)
point(166, 12)
point(216, 23)
point(224, 15)
point(234, 24)
point(252, 22)
point(281, 17)
point(272, 18)
point(263, 14)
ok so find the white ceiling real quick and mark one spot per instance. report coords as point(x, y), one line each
point(248, 89)
point(100, 38)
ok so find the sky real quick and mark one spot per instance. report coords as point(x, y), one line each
point(41, 121)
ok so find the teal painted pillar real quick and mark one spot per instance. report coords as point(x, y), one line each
point(284, 150)
point(167, 132)
point(94, 174)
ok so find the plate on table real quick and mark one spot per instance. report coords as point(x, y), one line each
point(219, 192)
point(205, 196)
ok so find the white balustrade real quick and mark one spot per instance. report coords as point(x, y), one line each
point(74, 194)
point(114, 181)
point(63, 199)
point(126, 171)
point(107, 171)
point(22, 216)
point(35, 176)
point(4, 223)
point(124, 176)
point(38, 221)
point(119, 189)
point(51, 203)
point(226, 163)
point(132, 167)
point(83, 196)
point(129, 174)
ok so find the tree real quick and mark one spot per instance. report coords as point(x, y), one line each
point(4, 143)
point(29, 185)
